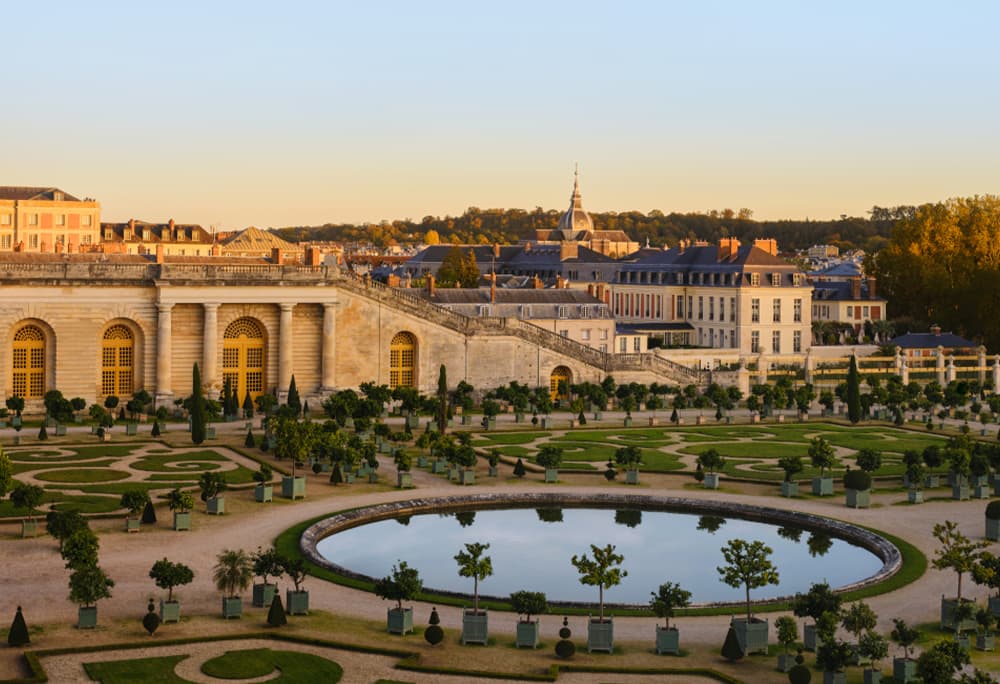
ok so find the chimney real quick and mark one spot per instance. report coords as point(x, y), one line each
point(527, 247)
point(536, 283)
point(159, 252)
point(728, 248)
point(935, 330)
point(392, 280)
point(313, 257)
point(496, 250)
point(855, 288)
point(590, 289)
point(430, 285)
point(872, 294)
point(769, 245)
point(568, 250)
point(216, 249)
point(277, 257)
point(559, 281)
point(131, 225)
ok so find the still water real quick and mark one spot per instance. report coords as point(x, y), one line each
point(531, 549)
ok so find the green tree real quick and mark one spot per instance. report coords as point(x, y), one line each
point(472, 563)
point(853, 397)
point(748, 565)
point(197, 408)
point(858, 618)
point(28, 497)
point(276, 616)
point(603, 571)
point(669, 597)
point(441, 408)
point(458, 269)
point(292, 401)
point(821, 454)
point(134, 501)
point(88, 585)
point(957, 552)
point(403, 583)
point(18, 635)
point(167, 575)
point(939, 663)
point(79, 550)
point(528, 603)
point(233, 571)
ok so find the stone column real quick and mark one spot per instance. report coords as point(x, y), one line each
point(164, 367)
point(996, 373)
point(285, 369)
point(981, 362)
point(329, 345)
point(940, 366)
point(950, 374)
point(210, 348)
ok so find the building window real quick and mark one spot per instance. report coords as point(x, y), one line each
point(585, 334)
point(6, 241)
point(603, 348)
point(604, 333)
point(4, 219)
point(733, 339)
point(85, 220)
point(402, 360)
point(755, 311)
point(559, 382)
point(732, 309)
point(701, 308)
point(776, 280)
point(754, 279)
point(776, 342)
point(483, 309)
point(680, 307)
point(117, 359)
point(864, 312)
point(722, 308)
point(797, 311)
point(755, 341)
point(524, 311)
point(637, 344)
point(690, 306)
point(60, 219)
point(711, 308)
point(243, 357)
point(623, 345)
point(33, 241)
point(796, 341)
point(850, 312)
point(796, 279)
point(28, 363)
point(32, 219)
point(563, 312)
point(585, 311)
point(711, 337)
point(564, 333)
point(776, 304)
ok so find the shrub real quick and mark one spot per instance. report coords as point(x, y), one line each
point(276, 615)
point(249, 442)
point(529, 603)
point(858, 480)
point(402, 584)
point(519, 470)
point(993, 510)
point(18, 635)
point(434, 634)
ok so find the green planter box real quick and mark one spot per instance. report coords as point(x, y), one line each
point(182, 521)
point(131, 429)
point(960, 491)
point(627, 422)
point(263, 594)
point(466, 420)
point(297, 602)
point(986, 642)
point(632, 477)
point(494, 471)
point(453, 474)
point(834, 677)
point(399, 621)
point(412, 421)
point(948, 616)
point(822, 486)
point(438, 467)
point(601, 635)
point(993, 529)
point(86, 617)
point(982, 492)
point(546, 423)
point(210, 433)
point(372, 477)
point(752, 636)
point(598, 415)
point(467, 477)
point(789, 489)
point(170, 611)
point(60, 430)
point(133, 524)
point(858, 498)
point(711, 481)
point(29, 528)
point(810, 641)
point(527, 634)
point(263, 493)
point(422, 461)
point(232, 607)
point(915, 496)
point(404, 480)
point(551, 474)
point(932, 481)
point(216, 506)
point(994, 604)
point(873, 676)
point(904, 670)
point(475, 627)
point(668, 641)
point(293, 487)
point(785, 662)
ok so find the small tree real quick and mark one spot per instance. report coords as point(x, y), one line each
point(602, 571)
point(267, 564)
point(441, 407)
point(197, 408)
point(791, 465)
point(472, 563)
point(986, 572)
point(873, 646)
point(858, 618)
point(957, 552)
point(6, 474)
point(179, 501)
point(88, 585)
point(276, 614)
point(711, 459)
point(528, 603)
point(250, 442)
point(212, 484)
point(293, 401)
point(748, 565)
point(62, 524)
point(549, 456)
point(519, 470)
point(233, 572)
point(853, 394)
point(28, 497)
point(904, 636)
point(403, 583)
point(818, 600)
point(788, 631)
point(628, 456)
point(821, 454)
point(940, 662)
point(869, 460)
point(79, 550)
point(134, 501)
point(295, 569)
point(669, 597)
point(263, 474)
point(168, 575)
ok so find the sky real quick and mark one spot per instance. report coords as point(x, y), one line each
point(231, 114)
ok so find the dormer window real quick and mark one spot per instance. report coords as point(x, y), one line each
point(796, 279)
point(776, 280)
point(754, 279)
point(584, 311)
point(563, 312)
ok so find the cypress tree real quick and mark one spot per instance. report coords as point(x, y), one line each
point(250, 443)
point(276, 615)
point(197, 407)
point(156, 429)
point(18, 635)
point(853, 391)
point(441, 416)
point(293, 401)
point(43, 434)
point(247, 406)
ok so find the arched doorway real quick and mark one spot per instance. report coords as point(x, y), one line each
point(117, 362)
point(28, 363)
point(402, 360)
point(243, 357)
point(560, 375)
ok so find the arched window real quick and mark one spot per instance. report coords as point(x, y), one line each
point(117, 362)
point(243, 357)
point(402, 360)
point(28, 357)
point(560, 374)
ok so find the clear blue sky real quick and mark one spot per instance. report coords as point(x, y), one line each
point(273, 114)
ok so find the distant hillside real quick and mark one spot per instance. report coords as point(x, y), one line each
point(487, 226)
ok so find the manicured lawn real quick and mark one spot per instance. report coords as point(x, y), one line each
point(488, 438)
point(294, 667)
point(80, 475)
point(152, 670)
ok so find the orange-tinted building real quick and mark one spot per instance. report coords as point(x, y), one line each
point(47, 220)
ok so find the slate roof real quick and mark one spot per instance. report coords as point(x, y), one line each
point(14, 192)
point(160, 232)
point(481, 295)
point(840, 291)
point(705, 258)
point(930, 340)
point(845, 269)
point(254, 239)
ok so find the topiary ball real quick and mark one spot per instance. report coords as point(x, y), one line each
point(799, 674)
point(857, 480)
point(564, 631)
point(151, 621)
point(565, 649)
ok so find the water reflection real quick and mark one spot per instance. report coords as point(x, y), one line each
point(628, 517)
point(550, 515)
point(711, 523)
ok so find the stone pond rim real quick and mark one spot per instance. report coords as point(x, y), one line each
point(882, 548)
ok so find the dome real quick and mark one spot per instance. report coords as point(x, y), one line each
point(575, 220)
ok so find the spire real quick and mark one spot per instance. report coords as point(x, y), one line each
point(576, 185)
point(575, 219)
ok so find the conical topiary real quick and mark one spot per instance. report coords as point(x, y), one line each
point(149, 514)
point(519, 468)
point(336, 475)
point(276, 615)
point(305, 407)
point(731, 647)
point(43, 434)
point(151, 621)
point(564, 647)
point(156, 428)
point(18, 634)
point(434, 634)
point(250, 442)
